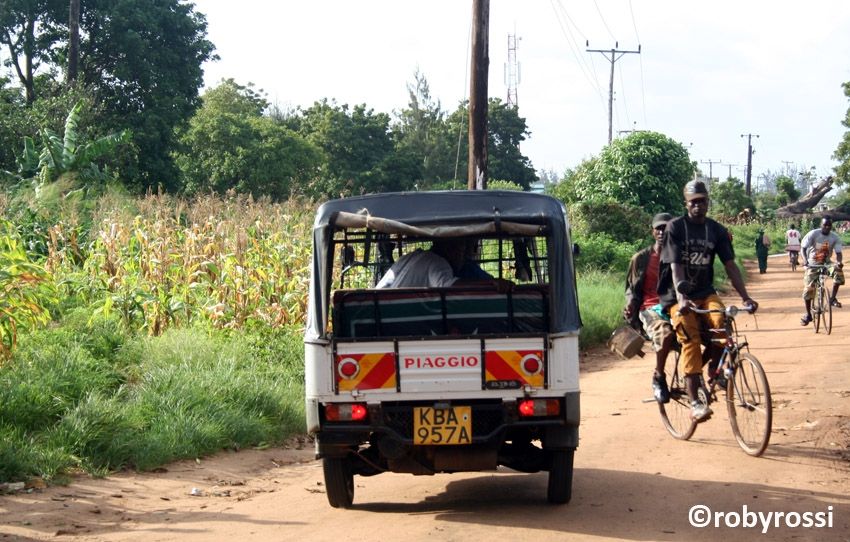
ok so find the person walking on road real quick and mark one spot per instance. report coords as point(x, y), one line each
point(762, 246)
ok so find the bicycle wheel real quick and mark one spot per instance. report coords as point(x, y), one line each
point(818, 303)
point(676, 415)
point(749, 405)
point(793, 264)
point(827, 316)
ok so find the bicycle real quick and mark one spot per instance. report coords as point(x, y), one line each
point(821, 304)
point(747, 390)
point(793, 259)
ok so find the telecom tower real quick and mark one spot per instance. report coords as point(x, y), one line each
point(512, 74)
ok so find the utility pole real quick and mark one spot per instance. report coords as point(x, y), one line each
point(710, 163)
point(477, 173)
point(749, 160)
point(730, 169)
point(615, 55)
point(512, 73)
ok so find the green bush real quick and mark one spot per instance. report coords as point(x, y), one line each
point(601, 252)
point(620, 221)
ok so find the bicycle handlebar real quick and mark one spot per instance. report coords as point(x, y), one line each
point(729, 311)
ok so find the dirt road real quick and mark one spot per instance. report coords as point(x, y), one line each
point(632, 481)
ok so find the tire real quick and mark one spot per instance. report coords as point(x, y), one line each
point(560, 489)
point(827, 317)
point(818, 308)
point(339, 481)
point(749, 404)
point(676, 415)
point(793, 261)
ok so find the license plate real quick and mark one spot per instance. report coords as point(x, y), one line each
point(442, 425)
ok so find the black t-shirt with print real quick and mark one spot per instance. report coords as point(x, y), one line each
point(693, 246)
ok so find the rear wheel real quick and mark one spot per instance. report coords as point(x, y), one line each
point(560, 488)
point(749, 405)
point(793, 261)
point(676, 415)
point(339, 481)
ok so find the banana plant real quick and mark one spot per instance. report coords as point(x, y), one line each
point(66, 153)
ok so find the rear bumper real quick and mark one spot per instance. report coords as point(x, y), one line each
point(493, 422)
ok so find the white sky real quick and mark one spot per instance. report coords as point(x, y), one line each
point(708, 71)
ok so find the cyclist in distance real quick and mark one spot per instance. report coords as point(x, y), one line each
point(687, 281)
point(817, 248)
point(643, 307)
point(792, 243)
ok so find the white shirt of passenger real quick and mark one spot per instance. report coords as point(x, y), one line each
point(421, 268)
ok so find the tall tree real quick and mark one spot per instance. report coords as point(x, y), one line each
point(358, 151)
point(505, 131)
point(842, 153)
point(73, 40)
point(141, 58)
point(230, 144)
point(645, 169)
point(29, 30)
point(144, 59)
point(421, 134)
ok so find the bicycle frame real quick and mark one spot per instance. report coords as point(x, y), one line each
point(747, 391)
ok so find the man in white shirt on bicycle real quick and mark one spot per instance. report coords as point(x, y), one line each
point(816, 249)
point(792, 243)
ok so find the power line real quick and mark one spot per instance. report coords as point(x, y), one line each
point(582, 63)
point(599, 11)
point(640, 63)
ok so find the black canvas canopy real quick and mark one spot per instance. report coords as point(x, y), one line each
point(448, 214)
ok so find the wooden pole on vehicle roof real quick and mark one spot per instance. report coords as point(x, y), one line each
point(477, 173)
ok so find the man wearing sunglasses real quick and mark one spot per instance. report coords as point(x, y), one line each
point(643, 308)
point(686, 281)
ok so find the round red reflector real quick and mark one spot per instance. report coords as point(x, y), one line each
point(531, 364)
point(348, 368)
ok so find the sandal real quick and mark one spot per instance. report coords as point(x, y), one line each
point(806, 319)
point(835, 303)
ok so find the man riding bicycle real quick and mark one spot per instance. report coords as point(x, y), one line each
point(816, 248)
point(687, 281)
point(792, 244)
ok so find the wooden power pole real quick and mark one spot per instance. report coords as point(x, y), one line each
point(477, 175)
point(616, 54)
point(749, 160)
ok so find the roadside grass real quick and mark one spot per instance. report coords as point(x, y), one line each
point(601, 302)
point(112, 402)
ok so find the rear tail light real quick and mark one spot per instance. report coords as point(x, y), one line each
point(345, 412)
point(539, 407)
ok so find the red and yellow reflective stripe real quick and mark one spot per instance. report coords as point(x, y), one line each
point(507, 365)
point(377, 371)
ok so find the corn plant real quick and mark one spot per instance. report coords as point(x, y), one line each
point(231, 262)
point(26, 290)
